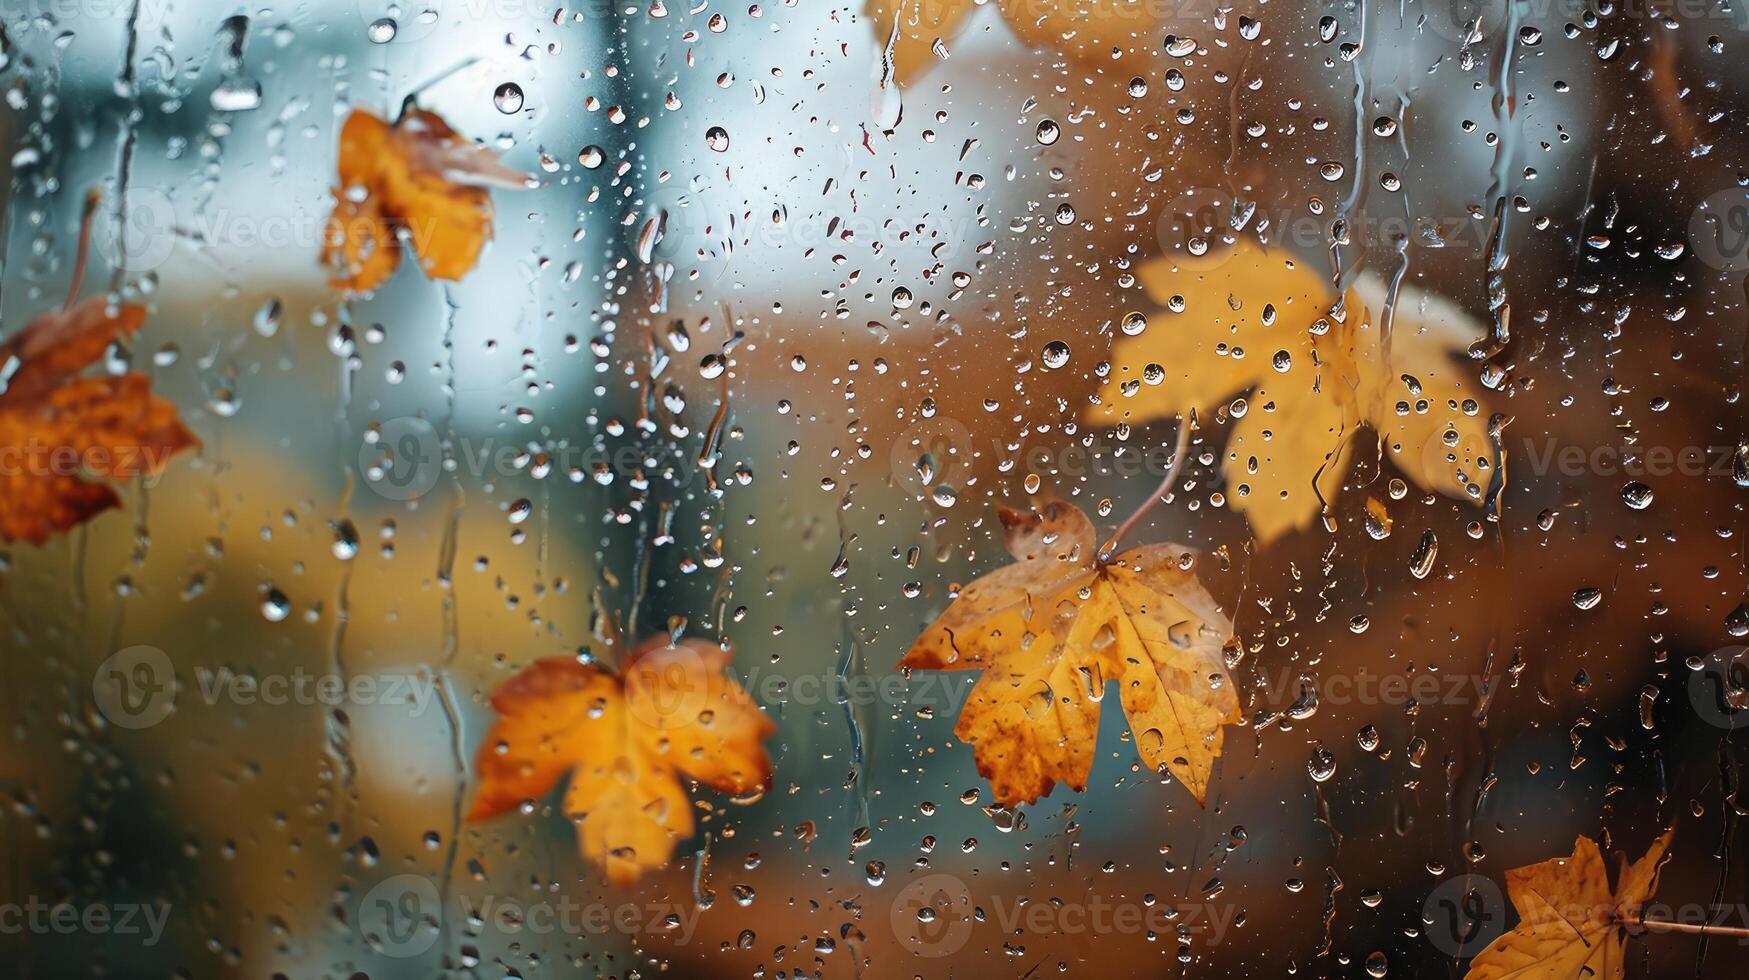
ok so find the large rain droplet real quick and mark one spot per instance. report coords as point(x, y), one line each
point(508, 98)
point(1056, 354)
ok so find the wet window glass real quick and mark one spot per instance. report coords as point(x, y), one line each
point(896, 488)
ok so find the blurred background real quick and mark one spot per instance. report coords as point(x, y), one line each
point(837, 286)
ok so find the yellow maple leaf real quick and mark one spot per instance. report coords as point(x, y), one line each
point(627, 739)
point(1570, 923)
point(1257, 323)
point(1049, 632)
point(1092, 32)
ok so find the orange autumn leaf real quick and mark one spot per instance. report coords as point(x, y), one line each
point(61, 432)
point(628, 741)
point(1570, 923)
point(416, 181)
point(1051, 629)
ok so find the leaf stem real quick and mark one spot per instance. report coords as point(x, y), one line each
point(413, 96)
point(93, 197)
point(1692, 928)
point(1159, 494)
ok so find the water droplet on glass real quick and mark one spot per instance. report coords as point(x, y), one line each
point(267, 318)
point(275, 607)
point(508, 98)
point(1637, 495)
point(345, 541)
point(237, 95)
point(1426, 553)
